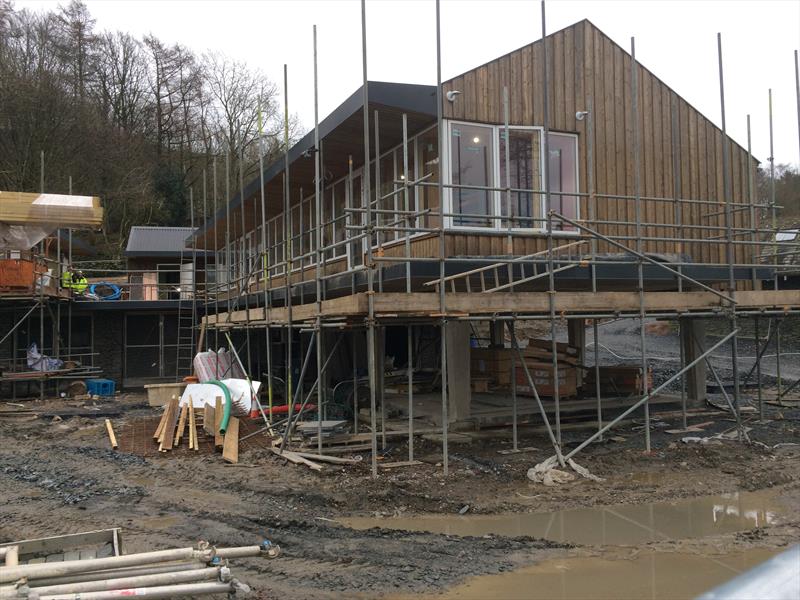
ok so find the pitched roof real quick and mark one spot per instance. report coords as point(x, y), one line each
point(158, 241)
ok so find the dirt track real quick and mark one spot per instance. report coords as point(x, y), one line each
point(60, 477)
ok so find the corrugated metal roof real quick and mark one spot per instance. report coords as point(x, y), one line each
point(158, 241)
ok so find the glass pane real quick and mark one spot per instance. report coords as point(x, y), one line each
point(562, 170)
point(327, 219)
point(472, 161)
point(428, 147)
point(339, 200)
point(387, 204)
point(356, 255)
point(524, 155)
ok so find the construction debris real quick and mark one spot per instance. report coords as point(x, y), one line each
point(111, 437)
point(66, 567)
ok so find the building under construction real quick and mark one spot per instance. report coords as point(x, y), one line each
point(560, 183)
point(388, 267)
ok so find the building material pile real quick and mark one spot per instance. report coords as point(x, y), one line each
point(20, 208)
point(66, 568)
point(495, 364)
point(181, 422)
point(619, 380)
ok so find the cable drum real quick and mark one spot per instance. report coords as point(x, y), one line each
point(105, 291)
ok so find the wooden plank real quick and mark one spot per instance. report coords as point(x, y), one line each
point(60, 543)
point(21, 208)
point(230, 448)
point(296, 459)
point(182, 423)
point(218, 414)
point(336, 460)
point(192, 430)
point(209, 418)
point(160, 428)
point(111, 437)
point(168, 435)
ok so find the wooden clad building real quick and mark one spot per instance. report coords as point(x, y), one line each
point(494, 197)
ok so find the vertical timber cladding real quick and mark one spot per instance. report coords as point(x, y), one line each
point(585, 66)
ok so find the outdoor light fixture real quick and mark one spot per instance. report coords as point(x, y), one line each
point(451, 95)
point(581, 114)
point(476, 139)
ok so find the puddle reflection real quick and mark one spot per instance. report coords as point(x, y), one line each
point(615, 525)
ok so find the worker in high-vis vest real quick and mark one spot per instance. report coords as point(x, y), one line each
point(66, 278)
point(79, 282)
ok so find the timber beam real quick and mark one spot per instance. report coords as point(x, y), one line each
point(424, 305)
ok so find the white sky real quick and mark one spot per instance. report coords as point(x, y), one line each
point(675, 39)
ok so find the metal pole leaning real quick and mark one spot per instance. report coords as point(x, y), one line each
point(365, 187)
point(318, 244)
point(639, 403)
point(730, 256)
point(409, 328)
point(440, 188)
point(637, 179)
point(551, 290)
point(293, 401)
point(287, 235)
point(531, 383)
point(265, 266)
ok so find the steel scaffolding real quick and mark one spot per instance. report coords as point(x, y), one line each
point(282, 263)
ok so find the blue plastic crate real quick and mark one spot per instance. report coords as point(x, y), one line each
point(100, 387)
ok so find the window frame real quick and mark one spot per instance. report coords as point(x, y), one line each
point(497, 217)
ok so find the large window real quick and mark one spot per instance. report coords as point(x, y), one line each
point(481, 157)
point(472, 164)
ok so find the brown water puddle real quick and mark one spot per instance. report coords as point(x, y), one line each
point(649, 575)
point(602, 525)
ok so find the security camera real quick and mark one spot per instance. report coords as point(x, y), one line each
point(451, 95)
point(581, 114)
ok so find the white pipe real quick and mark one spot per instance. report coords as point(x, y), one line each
point(12, 556)
point(165, 591)
point(37, 571)
point(107, 574)
point(242, 552)
point(138, 581)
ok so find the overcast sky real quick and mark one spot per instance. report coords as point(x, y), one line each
point(675, 39)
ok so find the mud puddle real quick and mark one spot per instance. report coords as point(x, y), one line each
point(602, 525)
point(654, 575)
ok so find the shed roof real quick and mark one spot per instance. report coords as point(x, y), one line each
point(158, 241)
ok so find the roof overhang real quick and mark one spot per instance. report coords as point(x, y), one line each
point(341, 136)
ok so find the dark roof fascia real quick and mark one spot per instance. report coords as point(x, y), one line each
point(411, 97)
point(166, 254)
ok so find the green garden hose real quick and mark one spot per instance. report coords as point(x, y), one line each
point(226, 413)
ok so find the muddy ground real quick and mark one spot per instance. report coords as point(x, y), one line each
point(60, 476)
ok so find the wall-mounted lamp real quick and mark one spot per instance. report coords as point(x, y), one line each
point(581, 114)
point(451, 95)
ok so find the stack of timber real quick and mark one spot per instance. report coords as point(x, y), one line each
point(91, 565)
point(77, 212)
point(494, 365)
point(619, 380)
point(187, 422)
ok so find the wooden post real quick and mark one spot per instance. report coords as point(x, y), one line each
point(693, 340)
point(458, 370)
point(576, 335)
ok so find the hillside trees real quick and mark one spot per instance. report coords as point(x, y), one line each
point(134, 121)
